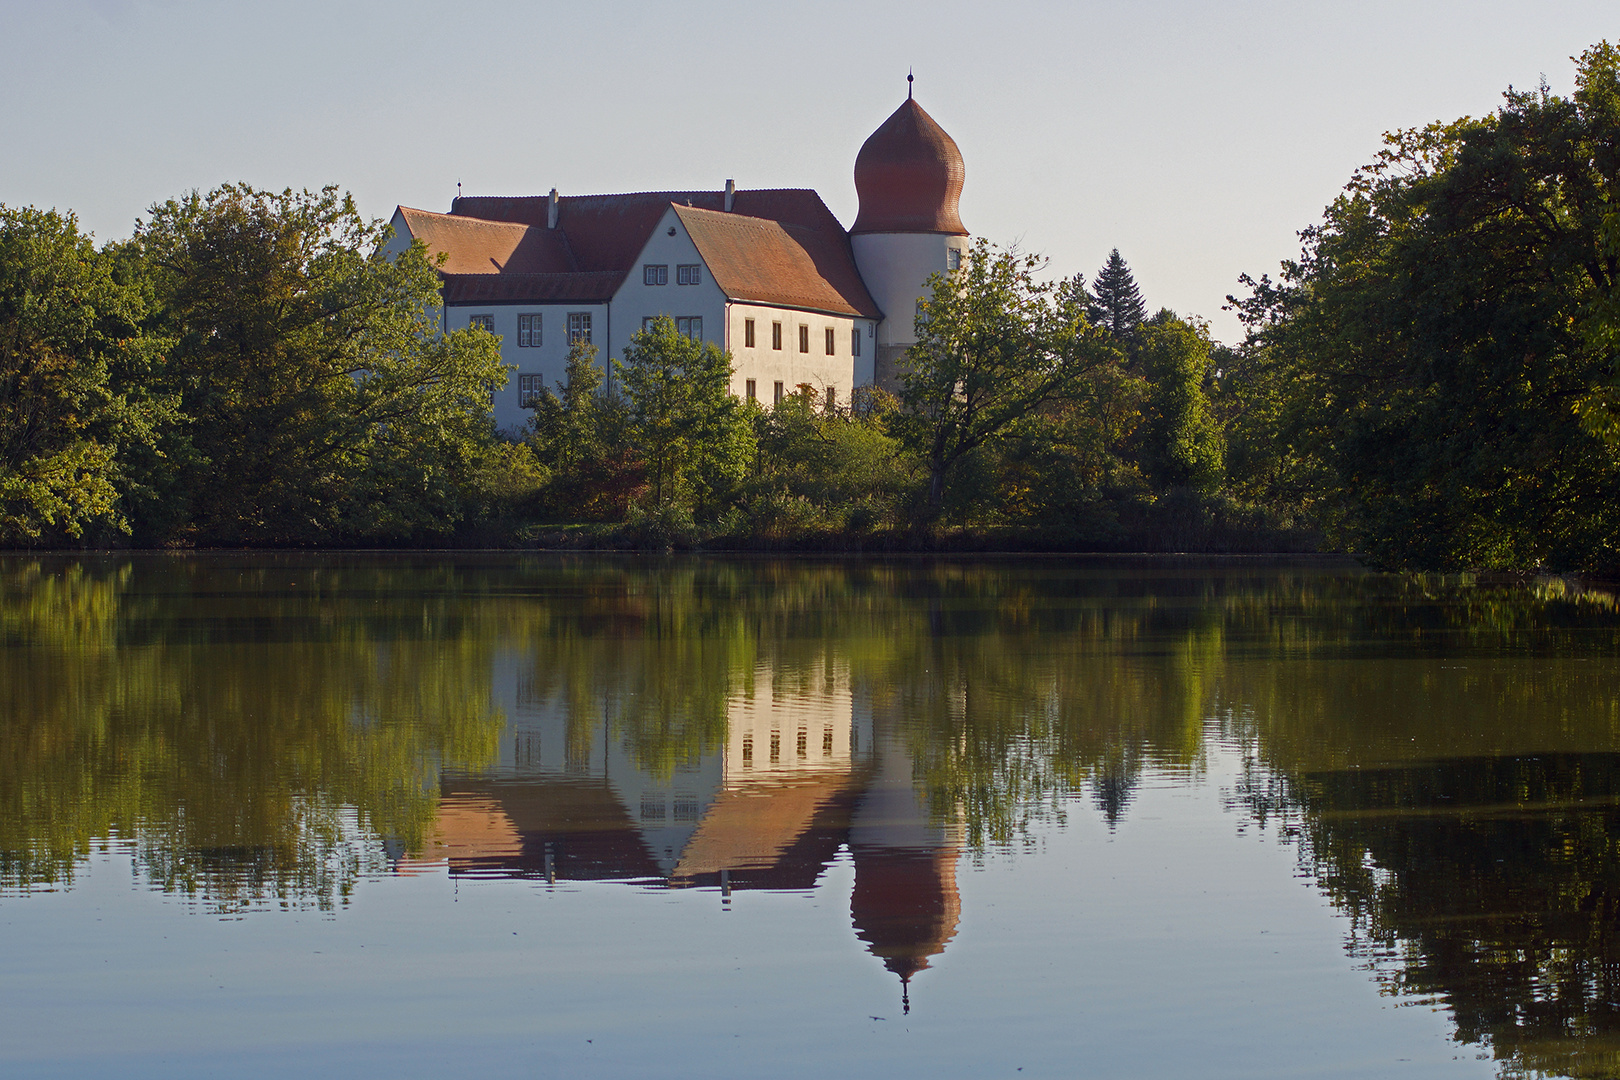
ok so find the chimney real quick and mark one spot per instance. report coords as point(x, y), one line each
point(551, 211)
point(731, 194)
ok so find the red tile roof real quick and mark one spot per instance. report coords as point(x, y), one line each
point(803, 259)
point(782, 264)
point(471, 246)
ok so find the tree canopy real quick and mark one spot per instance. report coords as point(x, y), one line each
point(1443, 346)
point(321, 398)
point(994, 346)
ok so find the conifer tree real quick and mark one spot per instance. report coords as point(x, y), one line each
point(1115, 301)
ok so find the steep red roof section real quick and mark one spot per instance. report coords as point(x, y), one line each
point(782, 264)
point(909, 177)
point(472, 246)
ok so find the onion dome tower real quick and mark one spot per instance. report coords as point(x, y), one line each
point(909, 178)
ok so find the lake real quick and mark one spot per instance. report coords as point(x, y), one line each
point(545, 815)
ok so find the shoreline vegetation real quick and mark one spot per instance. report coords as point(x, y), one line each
point(1434, 384)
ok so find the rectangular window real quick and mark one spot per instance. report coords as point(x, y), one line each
point(687, 275)
point(776, 747)
point(953, 258)
point(654, 275)
point(832, 398)
point(748, 333)
point(652, 808)
point(750, 390)
point(778, 399)
point(528, 331)
point(530, 387)
point(832, 347)
point(855, 341)
point(804, 743)
point(690, 326)
point(579, 327)
point(804, 338)
point(647, 323)
point(776, 336)
point(485, 321)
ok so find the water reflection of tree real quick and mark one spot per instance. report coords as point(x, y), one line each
point(1491, 885)
point(252, 744)
point(1447, 756)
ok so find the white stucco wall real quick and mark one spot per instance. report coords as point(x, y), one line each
point(767, 366)
point(549, 360)
point(402, 236)
point(636, 300)
point(896, 268)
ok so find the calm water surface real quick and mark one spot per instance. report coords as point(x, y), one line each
point(543, 816)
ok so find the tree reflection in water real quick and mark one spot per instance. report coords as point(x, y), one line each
point(265, 730)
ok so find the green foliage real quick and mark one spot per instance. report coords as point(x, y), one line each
point(1113, 301)
point(994, 346)
point(71, 417)
point(1431, 355)
point(580, 434)
point(1180, 442)
point(322, 402)
point(827, 470)
point(693, 435)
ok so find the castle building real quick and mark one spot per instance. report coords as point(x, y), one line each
point(769, 275)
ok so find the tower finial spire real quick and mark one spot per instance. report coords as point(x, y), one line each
point(910, 78)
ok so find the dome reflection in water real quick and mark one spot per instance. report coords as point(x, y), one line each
point(805, 770)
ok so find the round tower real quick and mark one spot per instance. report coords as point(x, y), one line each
point(909, 179)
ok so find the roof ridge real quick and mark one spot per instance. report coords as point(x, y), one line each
point(651, 192)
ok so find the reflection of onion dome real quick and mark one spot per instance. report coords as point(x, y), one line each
point(905, 905)
point(909, 177)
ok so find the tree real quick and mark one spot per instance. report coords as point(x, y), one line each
point(691, 432)
point(578, 432)
point(321, 398)
point(69, 420)
point(993, 347)
point(1180, 443)
point(1115, 301)
point(1441, 335)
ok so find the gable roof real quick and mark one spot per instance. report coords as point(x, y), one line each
point(780, 263)
point(499, 248)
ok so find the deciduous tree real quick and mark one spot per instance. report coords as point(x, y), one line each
point(993, 346)
point(691, 431)
point(321, 396)
point(1441, 336)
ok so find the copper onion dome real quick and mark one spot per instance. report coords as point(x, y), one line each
point(909, 177)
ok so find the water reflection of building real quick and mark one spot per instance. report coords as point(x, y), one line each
point(802, 771)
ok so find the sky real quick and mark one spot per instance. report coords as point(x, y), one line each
point(1196, 138)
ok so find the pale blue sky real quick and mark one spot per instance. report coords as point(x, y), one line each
point(1197, 138)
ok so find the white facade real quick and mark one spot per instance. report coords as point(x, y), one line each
point(547, 362)
point(669, 249)
point(791, 348)
point(896, 268)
